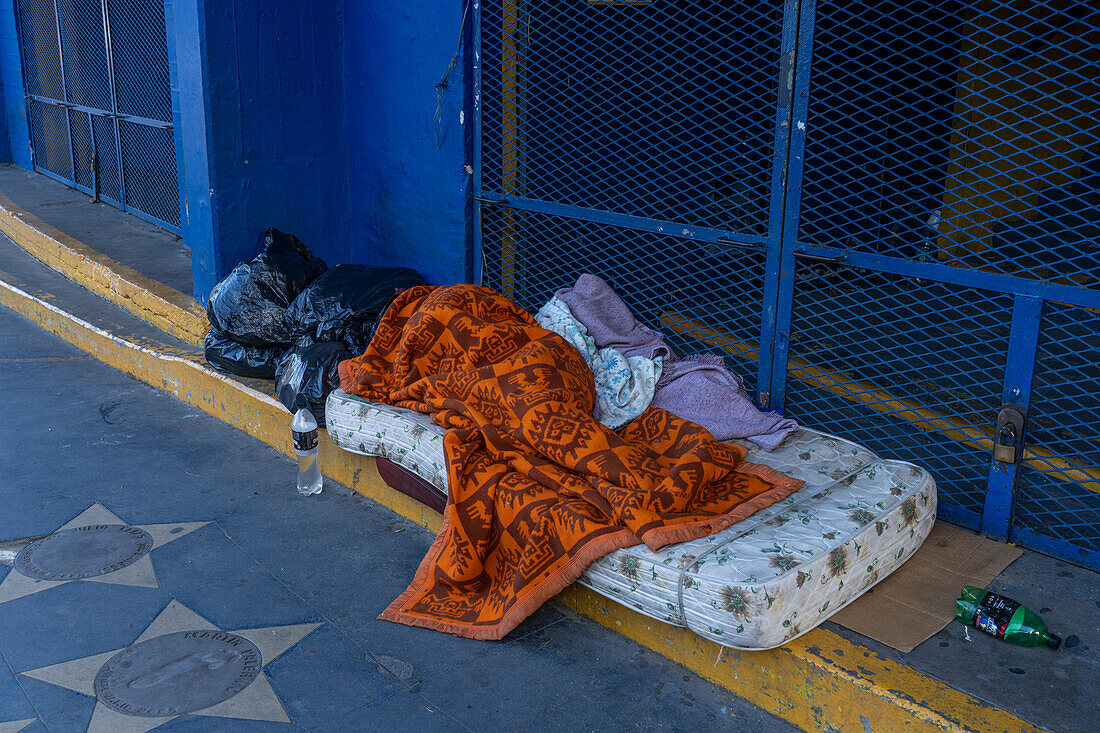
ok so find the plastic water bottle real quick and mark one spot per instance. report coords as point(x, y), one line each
point(1003, 617)
point(303, 428)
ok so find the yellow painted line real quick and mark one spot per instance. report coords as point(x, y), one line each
point(819, 682)
point(153, 302)
point(923, 418)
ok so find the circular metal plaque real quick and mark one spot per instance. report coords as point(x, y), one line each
point(177, 673)
point(83, 552)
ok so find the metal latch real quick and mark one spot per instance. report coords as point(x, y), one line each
point(1009, 438)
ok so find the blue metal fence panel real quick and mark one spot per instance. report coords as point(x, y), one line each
point(913, 371)
point(959, 136)
point(885, 211)
point(643, 141)
point(1058, 492)
point(99, 103)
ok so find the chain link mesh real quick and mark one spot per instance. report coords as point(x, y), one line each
point(80, 132)
point(85, 55)
point(912, 370)
point(702, 298)
point(104, 130)
point(962, 133)
point(957, 132)
point(41, 55)
point(1058, 494)
point(149, 162)
point(50, 138)
point(947, 133)
point(140, 53)
point(668, 108)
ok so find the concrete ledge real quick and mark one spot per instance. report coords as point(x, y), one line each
point(166, 308)
point(820, 682)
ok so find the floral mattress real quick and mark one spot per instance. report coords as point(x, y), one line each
point(755, 585)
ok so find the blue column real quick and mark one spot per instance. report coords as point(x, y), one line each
point(15, 145)
point(262, 142)
point(186, 28)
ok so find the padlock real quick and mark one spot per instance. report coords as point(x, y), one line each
point(1009, 435)
point(1004, 450)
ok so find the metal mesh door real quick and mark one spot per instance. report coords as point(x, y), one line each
point(636, 140)
point(895, 203)
point(948, 190)
point(99, 102)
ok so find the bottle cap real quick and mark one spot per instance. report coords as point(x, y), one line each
point(301, 402)
point(1054, 641)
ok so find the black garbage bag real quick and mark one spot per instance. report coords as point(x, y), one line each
point(226, 355)
point(309, 370)
point(248, 305)
point(344, 303)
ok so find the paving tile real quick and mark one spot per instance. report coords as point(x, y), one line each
point(33, 727)
point(36, 512)
point(349, 560)
point(13, 703)
point(54, 703)
point(325, 676)
point(210, 575)
point(132, 422)
point(199, 724)
point(74, 620)
point(574, 676)
point(19, 338)
point(404, 711)
point(71, 720)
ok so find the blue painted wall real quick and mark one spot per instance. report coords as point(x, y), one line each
point(15, 143)
point(320, 120)
point(262, 129)
point(316, 118)
point(407, 188)
point(5, 143)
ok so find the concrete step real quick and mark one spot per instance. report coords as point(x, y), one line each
point(88, 243)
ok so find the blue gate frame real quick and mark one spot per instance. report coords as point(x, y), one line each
point(912, 231)
point(99, 109)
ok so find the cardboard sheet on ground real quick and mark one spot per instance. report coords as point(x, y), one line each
point(918, 599)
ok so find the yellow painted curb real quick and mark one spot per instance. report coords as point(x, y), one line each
point(153, 302)
point(819, 682)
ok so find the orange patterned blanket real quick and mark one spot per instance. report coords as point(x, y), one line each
point(538, 489)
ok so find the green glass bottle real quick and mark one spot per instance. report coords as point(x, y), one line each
point(1003, 617)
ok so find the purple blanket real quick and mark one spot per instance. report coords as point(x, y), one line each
point(697, 388)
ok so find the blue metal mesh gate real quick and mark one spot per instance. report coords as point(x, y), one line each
point(884, 214)
point(605, 146)
point(949, 163)
point(99, 103)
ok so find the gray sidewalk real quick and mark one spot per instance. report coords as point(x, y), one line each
point(232, 551)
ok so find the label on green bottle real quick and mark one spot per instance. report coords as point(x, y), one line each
point(994, 613)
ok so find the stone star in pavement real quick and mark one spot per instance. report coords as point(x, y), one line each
point(95, 546)
point(180, 665)
point(14, 726)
